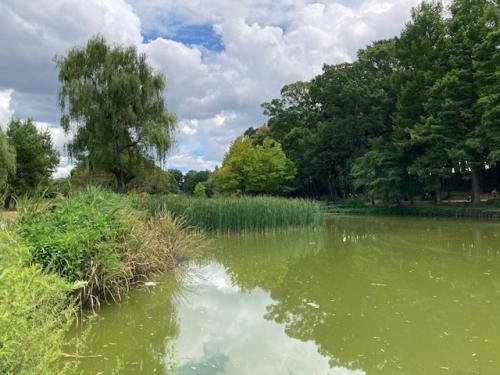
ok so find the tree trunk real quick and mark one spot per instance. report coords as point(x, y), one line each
point(438, 191)
point(121, 182)
point(476, 186)
point(6, 202)
point(497, 172)
point(332, 188)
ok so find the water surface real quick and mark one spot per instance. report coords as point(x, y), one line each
point(364, 295)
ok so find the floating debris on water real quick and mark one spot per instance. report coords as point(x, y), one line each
point(313, 305)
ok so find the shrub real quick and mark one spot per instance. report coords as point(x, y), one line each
point(97, 237)
point(35, 314)
point(238, 213)
point(200, 191)
point(494, 202)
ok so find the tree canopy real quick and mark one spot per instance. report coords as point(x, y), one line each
point(410, 114)
point(112, 101)
point(255, 168)
point(35, 158)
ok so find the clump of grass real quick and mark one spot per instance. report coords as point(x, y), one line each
point(238, 213)
point(35, 314)
point(97, 237)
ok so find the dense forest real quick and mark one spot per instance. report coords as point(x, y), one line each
point(415, 115)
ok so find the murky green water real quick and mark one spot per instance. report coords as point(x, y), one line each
point(363, 296)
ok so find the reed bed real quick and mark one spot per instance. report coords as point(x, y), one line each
point(99, 240)
point(238, 213)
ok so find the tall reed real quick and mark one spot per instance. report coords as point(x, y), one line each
point(238, 213)
point(97, 238)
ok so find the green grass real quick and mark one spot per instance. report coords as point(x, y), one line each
point(36, 312)
point(238, 213)
point(98, 239)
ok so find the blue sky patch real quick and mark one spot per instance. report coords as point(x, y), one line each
point(200, 35)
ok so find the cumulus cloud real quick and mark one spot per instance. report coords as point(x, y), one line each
point(32, 33)
point(215, 93)
point(6, 110)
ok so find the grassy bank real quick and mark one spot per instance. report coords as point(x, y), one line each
point(99, 239)
point(36, 310)
point(446, 210)
point(238, 213)
point(60, 256)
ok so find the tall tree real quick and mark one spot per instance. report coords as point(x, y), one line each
point(487, 71)
point(452, 105)
point(379, 171)
point(7, 159)
point(178, 176)
point(419, 50)
point(36, 159)
point(113, 101)
point(255, 169)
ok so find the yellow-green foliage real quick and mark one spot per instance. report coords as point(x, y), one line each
point(35, 314)
point(239, 213)
point(259, 169)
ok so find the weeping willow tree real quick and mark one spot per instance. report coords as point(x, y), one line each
point(112, 101)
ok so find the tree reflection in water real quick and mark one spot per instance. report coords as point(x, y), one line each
point(384, 295)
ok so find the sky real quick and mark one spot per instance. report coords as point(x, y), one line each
point(221, 58)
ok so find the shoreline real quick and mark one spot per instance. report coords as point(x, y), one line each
point(480, 212)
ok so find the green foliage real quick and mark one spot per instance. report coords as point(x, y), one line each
point(325, 124)
point(113, 100)
point(486, 63)
point(450, 210)
point(239, 213)
point(149, 179)
point(411, 114)
point(7, 159)
point(36, 159)
point(96, 237)
point(254, 169)
point(200, 191)
point(35, 314)
point(192, 178)
point(495, 202)
point(378, 172)
point(178, 177)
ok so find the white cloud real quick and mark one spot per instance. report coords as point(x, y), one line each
point(6, 110)
point(223, 327)
point(186, 162)
point(216, 95)
point(64, 168)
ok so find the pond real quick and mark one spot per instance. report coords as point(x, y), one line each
point(363, 295)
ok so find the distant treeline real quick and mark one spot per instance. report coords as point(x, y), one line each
point(413, 115)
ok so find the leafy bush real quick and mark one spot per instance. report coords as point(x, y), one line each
point(352, 203)
point(238, 213)
point(494, 202)
point(35, 314)
point(200, 191)
point(97, 237)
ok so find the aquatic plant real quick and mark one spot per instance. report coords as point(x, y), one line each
point(238, 213)
point(99, 238)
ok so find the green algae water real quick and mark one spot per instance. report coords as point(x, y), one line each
point(361, 295)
